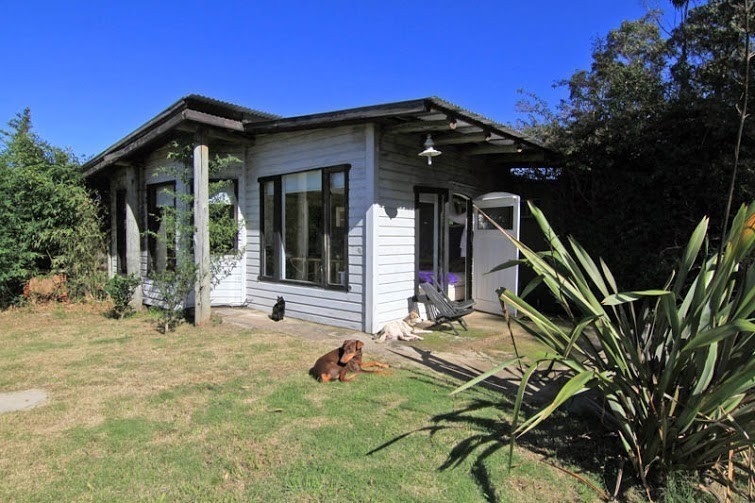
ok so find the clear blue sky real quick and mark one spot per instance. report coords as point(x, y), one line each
point(91, 72)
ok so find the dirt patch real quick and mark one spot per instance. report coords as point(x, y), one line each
point(22, 400)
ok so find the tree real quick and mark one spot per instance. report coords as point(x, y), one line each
point(648, 134)
point(50, 221)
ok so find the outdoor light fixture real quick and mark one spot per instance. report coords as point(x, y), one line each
point(519, 148)
point(429, 151)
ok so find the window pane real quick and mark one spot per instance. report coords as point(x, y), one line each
point(458, 259)
point(503, 216)
point(223, 225)
point(268, 229)
point(429, 239)
point(302, 226)
point(338, 228)
point(161, 215)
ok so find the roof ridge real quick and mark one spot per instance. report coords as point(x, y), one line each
point(228, 104)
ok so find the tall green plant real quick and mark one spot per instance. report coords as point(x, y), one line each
point(121, 291)
point(49, 220)
point(672, 368)
point(647, 134)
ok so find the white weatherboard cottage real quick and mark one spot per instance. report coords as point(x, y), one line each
point(340, 215)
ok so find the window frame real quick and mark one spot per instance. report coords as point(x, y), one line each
point(152, 189)
point(235, 182)
point(278, 230)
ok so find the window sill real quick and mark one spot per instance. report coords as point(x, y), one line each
point(319, 286)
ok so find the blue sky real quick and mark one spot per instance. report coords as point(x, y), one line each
point(91, 72)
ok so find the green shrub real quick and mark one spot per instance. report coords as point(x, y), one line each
point(121, 291)
point(49, 220)
point(173, 288)
point(672, 369)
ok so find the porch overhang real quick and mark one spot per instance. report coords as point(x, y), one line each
point(220, 120)
point(450, 125)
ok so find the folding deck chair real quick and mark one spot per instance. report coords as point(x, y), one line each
point(444, 310)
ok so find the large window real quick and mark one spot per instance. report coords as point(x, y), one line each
point(224, 227)
point(161, 239)
point(305, 226)
point(223, 210)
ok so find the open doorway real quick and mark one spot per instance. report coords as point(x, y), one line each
point(459, 247)
point(443, 241)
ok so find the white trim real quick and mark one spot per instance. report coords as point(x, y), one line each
point(371, 231)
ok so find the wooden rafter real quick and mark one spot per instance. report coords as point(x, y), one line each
point(524, 158)
point(419, 127)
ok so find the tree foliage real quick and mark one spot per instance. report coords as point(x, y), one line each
point(50, 221)
point(648, 136)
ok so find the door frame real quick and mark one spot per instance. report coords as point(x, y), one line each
point(442, 230)
point(470, 249)
point(444, 196)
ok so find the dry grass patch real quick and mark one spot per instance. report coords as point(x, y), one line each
point(226, 413)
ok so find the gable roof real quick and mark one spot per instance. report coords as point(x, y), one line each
point(451, 123)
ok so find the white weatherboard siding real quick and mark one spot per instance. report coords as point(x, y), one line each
point(400, 171)
point(283, 153)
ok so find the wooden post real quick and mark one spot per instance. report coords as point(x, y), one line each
point(133, 236)
point(201, 228)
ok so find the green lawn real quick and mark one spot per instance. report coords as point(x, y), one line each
point(220, 413)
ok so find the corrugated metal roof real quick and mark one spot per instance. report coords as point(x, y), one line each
point(223, 107)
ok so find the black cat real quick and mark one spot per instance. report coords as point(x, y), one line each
point(279, 310)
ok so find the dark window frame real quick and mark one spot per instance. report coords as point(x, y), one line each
point(121, 246)
point(278, 230)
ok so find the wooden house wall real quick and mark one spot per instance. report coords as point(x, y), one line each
point(283, 153)
point(397, 171)
point(400, 171)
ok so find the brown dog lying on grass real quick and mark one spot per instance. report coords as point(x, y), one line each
point(342, 361)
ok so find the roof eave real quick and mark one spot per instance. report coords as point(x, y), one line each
point(99, 161)
point(338, 118)
point(192, 108)
point(376, 113)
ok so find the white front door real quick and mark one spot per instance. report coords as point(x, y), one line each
point(492, 248)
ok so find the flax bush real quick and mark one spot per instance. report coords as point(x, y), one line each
point(672, 369)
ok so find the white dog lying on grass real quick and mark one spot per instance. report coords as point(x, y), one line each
point(402, 330)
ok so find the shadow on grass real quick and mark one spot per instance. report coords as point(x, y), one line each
point(567, 438)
